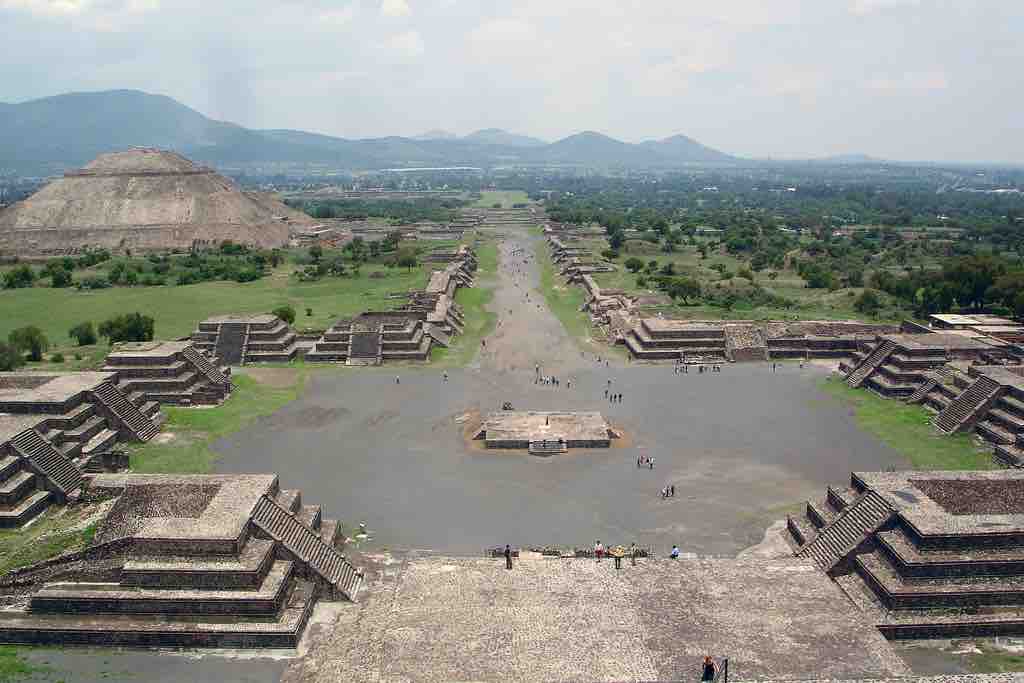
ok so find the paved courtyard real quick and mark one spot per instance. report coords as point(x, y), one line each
point(445, 619)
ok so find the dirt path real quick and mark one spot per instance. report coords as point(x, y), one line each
point(528, 333)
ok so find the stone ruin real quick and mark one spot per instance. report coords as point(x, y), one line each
point(972, 384)
point(145, 200)
point(923, 554)
point(168, 372)
point(185, 561)
point(407, 333)
point(56, 427)
point(241, 339)
point(545, 432)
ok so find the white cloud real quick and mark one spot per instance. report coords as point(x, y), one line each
point(911, 82)
point(863, 7)
point(395, 8)
point(53, 8)
point(407, 45)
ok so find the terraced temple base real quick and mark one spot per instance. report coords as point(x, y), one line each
point(545, 432)
point(188, 561)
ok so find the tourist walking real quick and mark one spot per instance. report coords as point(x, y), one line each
point(675, 553)
point(708, 670)
point(397, 380)
point(617, 554)
point(672, 491)
point(633, 551)
point(508, 556)
point(445, 376)
point(598, 550)
point(650, 462)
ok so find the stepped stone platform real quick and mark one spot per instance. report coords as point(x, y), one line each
point(407, 333)
point(168, 372)
point(545, 432)
point(143, 200)
point(188, 561)
point(56, 426)
point(927, 554)
point(971, 384)
point(242, 339)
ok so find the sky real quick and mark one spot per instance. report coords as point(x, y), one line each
point(898, 79)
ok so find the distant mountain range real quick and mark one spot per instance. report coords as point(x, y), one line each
point(72, 129)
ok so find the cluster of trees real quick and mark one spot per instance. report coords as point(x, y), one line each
point(228, 261)
point(30, 342)
point(353, 255)
point(395, 211)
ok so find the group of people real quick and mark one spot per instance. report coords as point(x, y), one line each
point(613, 397)
point(669, 491)
point(644, 460)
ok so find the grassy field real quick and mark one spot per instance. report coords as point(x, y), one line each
point(809, 303)
point(488, 198)
point(184, 444)
point(907, 429)
point(992, 661)
point(479, 321)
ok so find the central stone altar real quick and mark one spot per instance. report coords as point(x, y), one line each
point(545, 432)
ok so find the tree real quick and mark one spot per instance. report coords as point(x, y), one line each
point(133, 327)
point(29, 340)
point(83, 333)
point(684, 288)
point(616, 239)
point(668, 269)
point(285, 313)
point(633, 264)
point(868, 303)
point(407, 259)
point(60, 278)
point(316, 252)
point(10, 359)
point(19, 277)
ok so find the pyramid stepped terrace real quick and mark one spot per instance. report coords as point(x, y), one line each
point(188, 561)
point(241, 339)
point(168, 372)
point(406, 334)
point(54, 428)
point(661, 339)
point(143, 200)
point(924, 554)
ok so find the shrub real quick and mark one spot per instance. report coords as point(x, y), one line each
point(641, 281)
point(29, 340)
point(10, 359)
point(60, 278)
point(83, 333)
point(868, 302)
point(127, 327)
point(285, 313)
point(309, 311)
point(610, 254)
point(407, 259)
point(633, 264)
point(19, 277)
point(94, 282)
point(745, 273)
point(57, 358)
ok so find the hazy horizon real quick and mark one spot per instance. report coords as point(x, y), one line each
point(906, 80)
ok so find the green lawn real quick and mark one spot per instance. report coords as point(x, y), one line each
point(14, 668)
point(907, 429)
point(193, 430)
point(564, 300)
point(995, 661)
point(488, 198)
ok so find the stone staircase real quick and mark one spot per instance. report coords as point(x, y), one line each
point(868, 365)
point(364, 347)
point(547, 448)
point(125, 412)
point(203, 364)
point(230, 344)
point(21, 499)
point(851, 527)
point(926, 387)
point(963, 410)
point(59, 472)
point(308, 546)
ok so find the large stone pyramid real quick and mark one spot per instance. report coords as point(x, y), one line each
point(143, 200)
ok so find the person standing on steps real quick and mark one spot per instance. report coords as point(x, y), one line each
point(508, 556)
